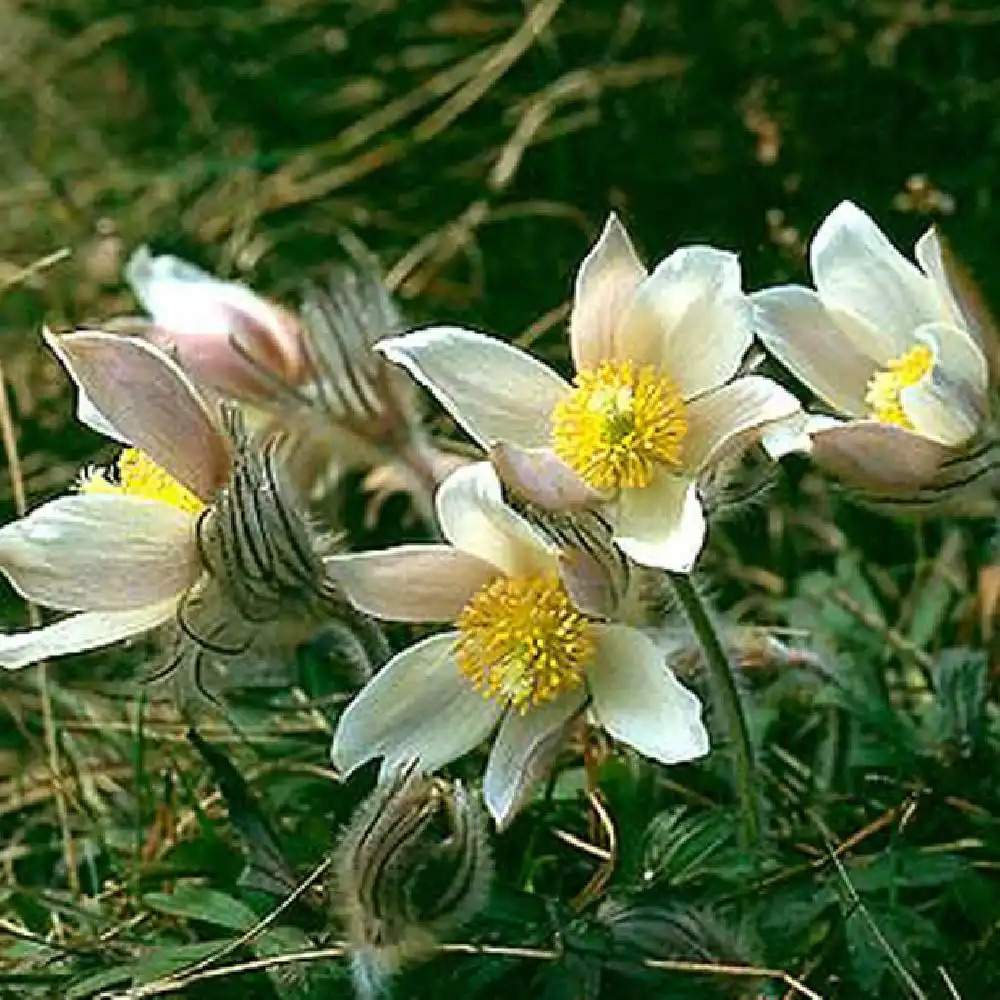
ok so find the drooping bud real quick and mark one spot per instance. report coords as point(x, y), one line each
point(413, 863)
point(227, 337)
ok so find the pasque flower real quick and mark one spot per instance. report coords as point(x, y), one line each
point(890, 346)
point(120, 552)
point(520, 654)
point(194, 526)
point(654, 403)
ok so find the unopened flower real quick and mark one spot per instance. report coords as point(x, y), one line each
point(889, 346)
point(224, 335)
point(192, 526)
point(654, 403)
point(414, 863)
point(520, 655)
point(313, 378)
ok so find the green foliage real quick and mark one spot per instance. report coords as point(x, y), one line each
point(249, 137)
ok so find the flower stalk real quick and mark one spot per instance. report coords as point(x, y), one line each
point(727, 703)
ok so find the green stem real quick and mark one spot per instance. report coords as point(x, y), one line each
point(727, 703)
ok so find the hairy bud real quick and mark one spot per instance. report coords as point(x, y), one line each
point(263, 588)
point(413, 863)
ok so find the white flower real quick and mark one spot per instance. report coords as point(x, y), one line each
point(118, 554)
point(521, 655)
point(884, 343)
point(654, 403)
point(228, 337)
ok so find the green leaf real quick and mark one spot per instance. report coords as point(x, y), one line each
point(196, 902)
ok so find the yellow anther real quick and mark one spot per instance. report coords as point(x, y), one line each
point(884, 387)
point(522, 641)
point(136, 475)
point(619, 422)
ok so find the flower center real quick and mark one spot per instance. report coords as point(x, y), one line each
point(521, 640)
point(135, 474)
point(884, 388)
point(618, 423)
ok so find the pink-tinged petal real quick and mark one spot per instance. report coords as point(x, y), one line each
point(494, 390)
point(151, 403)
point(857, 270)
point(728, 419)
point(86, 412)
point(878, 457)
point(640, 702)
point(411, 583)
point(794, 326)
point(605, 285)
point(199, 319)
point(475, 519)
point(593, 586)
point(525, 747)
point(693, 307)
point(663, 525)
point(90, 630)
point(100, 552)
point(417, 706)
point(542, 478)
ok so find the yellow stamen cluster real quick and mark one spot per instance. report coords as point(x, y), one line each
point(136, 475)
point(619, 422)
point(522, 641)
point(884, 388)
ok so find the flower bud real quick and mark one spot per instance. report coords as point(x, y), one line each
point(413, 863)
point(227, 337)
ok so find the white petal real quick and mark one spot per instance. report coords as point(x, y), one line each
point(152, 404)
point(185, 299)
point(525, 747)
point(100, 552)
point(77, 634)
point(794, 326)
point(605, 285)
point(950, 402)
point(878, 457)
point(857, 269)
point(731, 417)
point(474, 518)
point(417, 705)
point(663, 525)
point(958, 359)
point(930, 256)
point(693, 306)
point(495, 391)
point(963, 303)
point(411, 583)
point(795, 434)
point(640, 702)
